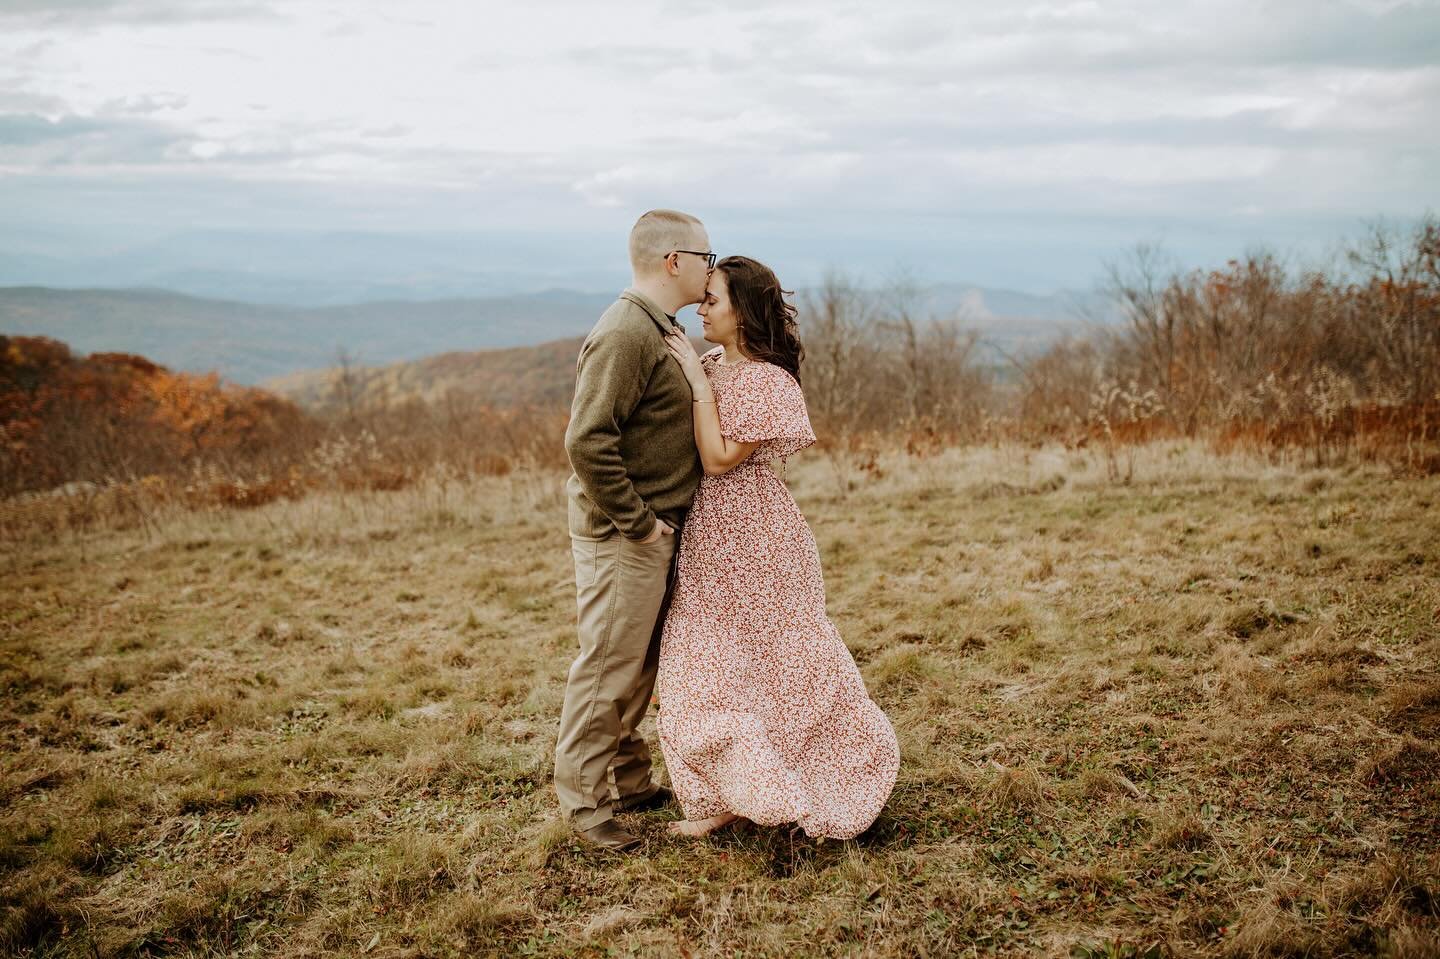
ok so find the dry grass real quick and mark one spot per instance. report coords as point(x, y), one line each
point(1192, 714)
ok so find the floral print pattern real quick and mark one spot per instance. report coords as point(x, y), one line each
point(762, 710)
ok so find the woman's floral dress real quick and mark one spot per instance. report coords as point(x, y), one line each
point(762, 710)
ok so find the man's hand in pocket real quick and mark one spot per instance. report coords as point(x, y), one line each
point(662, 528)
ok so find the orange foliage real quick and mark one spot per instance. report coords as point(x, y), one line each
point(116, 415)
point(1404, 435)
point(123, 422)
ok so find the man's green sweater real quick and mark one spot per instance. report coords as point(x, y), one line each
point(631, 439)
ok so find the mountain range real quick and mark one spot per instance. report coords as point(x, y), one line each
point(305, 269)
point(253, 342)
point(249, 342)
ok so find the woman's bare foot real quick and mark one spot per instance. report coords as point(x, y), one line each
point(695, 828)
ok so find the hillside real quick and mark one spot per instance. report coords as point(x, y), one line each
point(541, 375)
point(249, 342)
point(118, 416)
point(1190, 715)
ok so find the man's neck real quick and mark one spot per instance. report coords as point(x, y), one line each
point(660, 294)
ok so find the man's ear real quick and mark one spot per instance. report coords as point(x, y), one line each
point(672, 266)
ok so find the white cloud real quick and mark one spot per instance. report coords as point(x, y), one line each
point(85, 13)
point(1064, 106)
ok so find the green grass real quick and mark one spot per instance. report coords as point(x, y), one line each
point(1194, 714)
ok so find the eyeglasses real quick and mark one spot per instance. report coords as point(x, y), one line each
point(709, 257)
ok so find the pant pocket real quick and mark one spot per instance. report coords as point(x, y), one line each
point(584, 553)
point(589, 553)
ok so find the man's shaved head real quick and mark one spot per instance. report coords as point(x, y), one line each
point(657, 233)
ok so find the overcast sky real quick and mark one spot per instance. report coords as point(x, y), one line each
point(1010, 143)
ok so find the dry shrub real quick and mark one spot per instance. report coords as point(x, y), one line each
point(552, 836)
point(1409, 942)
point(877, 362)
point(1407, 760)
point(22, 778)
point(1386, 891)
point(220, 789)
point(1098, 783)
point(1267, 929)
point(1257, 357)
point(1337, 676)
point(1094, 877)
point(229, 448)
point(311, 831)
point(1016, 789)
point(408, 869)
point(1252, 618)
point(1402, 435)
point(436, 766)
point(1323, 646)
point(92, 842)
point(902, 667)
point(1414, 703)
point(36, 905)
point(215, 911)
point(239, 494)
point(194, 706)
point(474, 917)
point(1180, 829)
point(1235, 670)
point(65, 419)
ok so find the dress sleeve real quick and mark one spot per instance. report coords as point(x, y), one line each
point(767, 406)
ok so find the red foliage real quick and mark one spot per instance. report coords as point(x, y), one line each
point(118, 415)
point(1404, 434)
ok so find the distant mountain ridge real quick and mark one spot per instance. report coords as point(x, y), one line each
point(309, 268)
point(249, 342)
point(541, 376)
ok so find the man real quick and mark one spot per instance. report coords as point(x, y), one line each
point(632, 446)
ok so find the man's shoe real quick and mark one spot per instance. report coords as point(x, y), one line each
point(659, 798)
point(609, 835)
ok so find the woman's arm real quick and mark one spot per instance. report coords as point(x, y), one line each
point(718, 454)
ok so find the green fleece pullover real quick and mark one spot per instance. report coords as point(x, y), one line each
point(631, 439)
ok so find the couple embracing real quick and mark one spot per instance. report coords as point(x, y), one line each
point(696, 575)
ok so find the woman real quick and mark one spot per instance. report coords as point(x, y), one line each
point(763, 713)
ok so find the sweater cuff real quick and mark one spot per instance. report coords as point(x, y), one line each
point(649, 527)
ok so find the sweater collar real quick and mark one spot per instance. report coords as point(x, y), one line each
point(664, 320)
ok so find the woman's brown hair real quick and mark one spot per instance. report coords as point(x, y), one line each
point(767, 322)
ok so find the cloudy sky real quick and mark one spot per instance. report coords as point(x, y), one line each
point(1016, 144)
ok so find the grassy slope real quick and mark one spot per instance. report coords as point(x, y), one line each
point(542, 375)
point(1199, 711)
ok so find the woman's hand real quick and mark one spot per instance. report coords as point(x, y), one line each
point(683, 350)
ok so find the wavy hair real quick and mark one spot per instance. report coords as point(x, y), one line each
point(768, 332)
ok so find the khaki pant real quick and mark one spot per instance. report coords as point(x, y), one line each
point(622, 591)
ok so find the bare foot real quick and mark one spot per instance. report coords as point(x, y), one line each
point(695, 828)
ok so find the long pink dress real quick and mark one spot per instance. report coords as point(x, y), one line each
point(762, 710)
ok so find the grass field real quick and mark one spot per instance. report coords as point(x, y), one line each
point(1194, 714)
